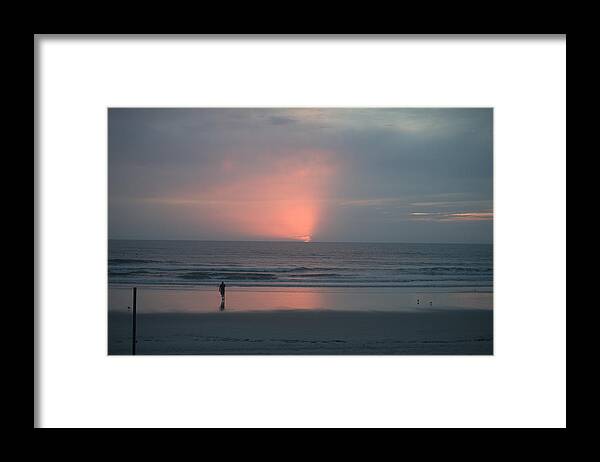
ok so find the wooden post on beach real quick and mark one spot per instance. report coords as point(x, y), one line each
point(134, 322)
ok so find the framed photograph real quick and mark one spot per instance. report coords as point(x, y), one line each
point(300, 231)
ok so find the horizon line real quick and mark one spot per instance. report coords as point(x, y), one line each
point(300, 242)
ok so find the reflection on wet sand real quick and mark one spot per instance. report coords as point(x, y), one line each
point(170, 300)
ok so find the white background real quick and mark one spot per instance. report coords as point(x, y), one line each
point(523, 384)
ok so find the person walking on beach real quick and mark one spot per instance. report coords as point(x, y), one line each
point(222, 290)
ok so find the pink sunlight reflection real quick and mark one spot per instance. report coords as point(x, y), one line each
point(285, 199)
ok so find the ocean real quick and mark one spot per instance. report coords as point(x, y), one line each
point(189, 264)
point(300, 298)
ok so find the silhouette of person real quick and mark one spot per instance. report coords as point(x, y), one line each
point(222, 290)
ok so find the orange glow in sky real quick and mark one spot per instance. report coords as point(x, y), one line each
point(280, 199)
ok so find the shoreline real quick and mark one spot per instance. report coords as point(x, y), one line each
point(208, 300)
point(291, 288)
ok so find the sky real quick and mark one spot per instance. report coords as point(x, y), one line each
point(310, 174)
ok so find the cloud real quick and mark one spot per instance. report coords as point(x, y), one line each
point(453, 216)
point(168, 168)
point(280, 200)
point(280, 120)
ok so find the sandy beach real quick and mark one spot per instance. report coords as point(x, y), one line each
point(393, 325)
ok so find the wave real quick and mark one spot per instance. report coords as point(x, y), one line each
point(316, 275)
point(425, 276)
point(202, 275)
point(244, 279)
point(321, 284)
point(129, 273)
point(445, 270)
point(312, 271)
point(248, 264)
point(129, 261)
point(170, 266)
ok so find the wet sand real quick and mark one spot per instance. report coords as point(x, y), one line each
point(241, 299)
point(293, 322)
